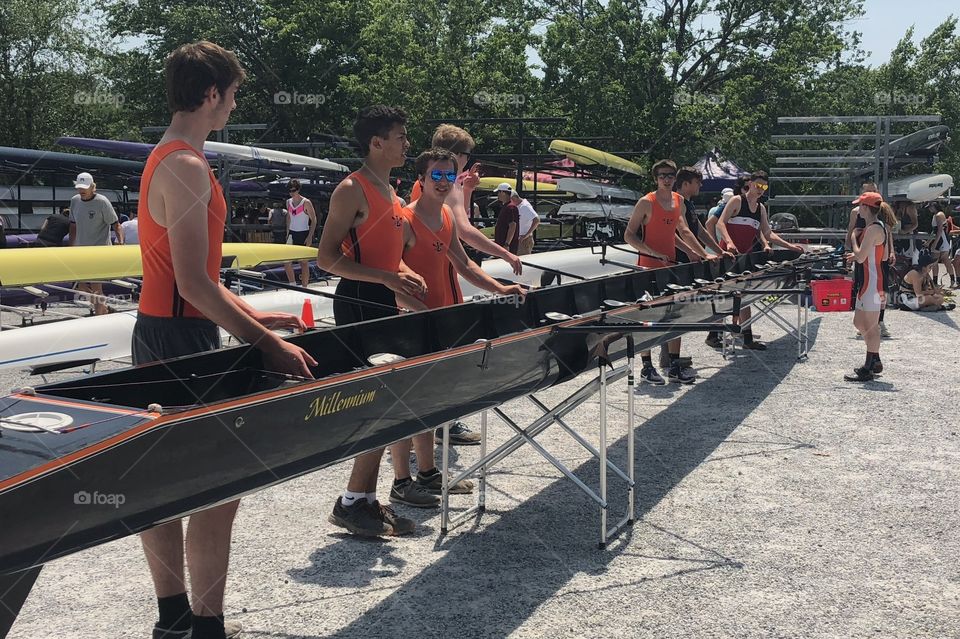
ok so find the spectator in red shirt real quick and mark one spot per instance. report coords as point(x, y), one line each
point(506, 233)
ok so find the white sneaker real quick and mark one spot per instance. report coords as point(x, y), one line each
point(884, 332)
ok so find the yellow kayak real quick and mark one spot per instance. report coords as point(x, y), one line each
point(490, 183)
point(586, 155)
point(24, 267)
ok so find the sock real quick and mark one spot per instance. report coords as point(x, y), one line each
point(871, 358)
point(208, 628)
point(427, 474)
point(748, 336)
point(350, 498)
point(175, 612)
point(371, 497)
point(882, 311)
point(402, 482)
point(647, 361)
point(674, 359)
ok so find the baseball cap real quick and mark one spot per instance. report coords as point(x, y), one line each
point(870, 198)
point(83, 181)
point(504, 186)
point(726, 194)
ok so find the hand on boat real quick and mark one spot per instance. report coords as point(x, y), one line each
point(513, 289)
point(710, 257)
point(275, 321)
point(767, 248)
point(287, 358)
point(727, 254)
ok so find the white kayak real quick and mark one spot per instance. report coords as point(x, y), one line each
point(107, 337)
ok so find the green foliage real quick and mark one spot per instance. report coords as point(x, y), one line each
point(649, 79)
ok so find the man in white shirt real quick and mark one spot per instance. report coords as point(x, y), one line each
point(529, 221)
point(131, 230)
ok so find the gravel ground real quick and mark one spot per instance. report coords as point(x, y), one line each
point(774, 500)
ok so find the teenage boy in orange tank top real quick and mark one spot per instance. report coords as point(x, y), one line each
point(362, 242)
point(432, 248)
point(182, 214)
point(461, 144)
point(656, 228)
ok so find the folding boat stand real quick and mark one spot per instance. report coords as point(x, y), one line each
point(766, 307)
point(599, 384)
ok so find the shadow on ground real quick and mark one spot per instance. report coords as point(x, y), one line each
point(491, 580)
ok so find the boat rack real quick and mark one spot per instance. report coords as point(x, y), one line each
point(870, 152)
point(597, 385)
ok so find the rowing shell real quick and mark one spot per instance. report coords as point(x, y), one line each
point(94, 459)
point(107, 337)
point(84, 263)
point(588, 156)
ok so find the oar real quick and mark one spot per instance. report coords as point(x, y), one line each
point(637, 253)
point(310, 291)
point(553, 270)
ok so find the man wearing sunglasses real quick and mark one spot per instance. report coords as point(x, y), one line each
point(432, 248)
point(744, 227)
point(656, 228)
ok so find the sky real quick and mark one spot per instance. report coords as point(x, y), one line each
point(886, 21)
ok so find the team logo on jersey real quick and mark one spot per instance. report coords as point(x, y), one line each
point(438, 245)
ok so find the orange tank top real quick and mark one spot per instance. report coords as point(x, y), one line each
point(429, 258)
point(159, 296)
point(378, 241)
point(660, 231)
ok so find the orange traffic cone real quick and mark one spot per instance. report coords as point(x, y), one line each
point(307, 314)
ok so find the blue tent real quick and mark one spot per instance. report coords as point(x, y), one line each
point(718, 172)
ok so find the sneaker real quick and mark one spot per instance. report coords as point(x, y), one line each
point(460, 435)
point(713, 341)
point(681, 374)
point(434, 485)
point(650, 375)
point(360, 519)
point(232, 630)
point(884, 332)
point(413, 494)
point(754, 346)
point(859, 375)
point(859, 335)
point(398, 525)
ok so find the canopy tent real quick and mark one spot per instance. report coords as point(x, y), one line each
point(718, 172)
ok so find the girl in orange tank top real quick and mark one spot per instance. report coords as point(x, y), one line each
point(159, 296)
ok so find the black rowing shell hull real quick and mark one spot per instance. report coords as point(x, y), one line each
point(221, 434)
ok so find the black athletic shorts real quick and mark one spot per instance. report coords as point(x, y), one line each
point(299, 237)
point(279, 237)
point(345, 312)
point(157, 338)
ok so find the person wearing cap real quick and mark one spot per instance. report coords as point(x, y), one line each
point(91, 219)
point(869, 248)
point(917, 291)
point(713, 215)
point(506, 232)
point(529, 221)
